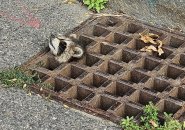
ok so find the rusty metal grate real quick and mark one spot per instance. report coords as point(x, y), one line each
point(114, 79)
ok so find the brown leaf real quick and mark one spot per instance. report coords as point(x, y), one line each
point(151, 47)
point(160, 43)
point(147, 39)
point(152, 35)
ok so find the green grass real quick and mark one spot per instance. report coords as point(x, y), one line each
point(150, 121)
point(17, 77)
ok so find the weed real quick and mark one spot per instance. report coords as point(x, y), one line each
point(150, 121)
point(129, 124)
point(17, 77)
point(95, 4)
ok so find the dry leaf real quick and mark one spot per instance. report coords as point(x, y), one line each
point(152, 35)
point(160, 51)
point(151, 47)
point(147, 38)
point(160, 43)
point(153, 123)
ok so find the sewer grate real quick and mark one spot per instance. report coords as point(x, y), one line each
point(114, 79)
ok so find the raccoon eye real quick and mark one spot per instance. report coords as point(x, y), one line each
point(62, 46)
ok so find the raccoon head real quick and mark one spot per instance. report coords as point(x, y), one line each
point(60, 44)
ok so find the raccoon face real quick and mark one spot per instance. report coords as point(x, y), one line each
point(57, 45)
point(62, 46)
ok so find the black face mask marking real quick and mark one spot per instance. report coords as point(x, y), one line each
point(51, 38)
point(62, 47)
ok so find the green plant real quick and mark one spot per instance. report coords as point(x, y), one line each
point(129, 124)
point(95, 4)
point(150, 116)
point(17, 77)
point(150, 121)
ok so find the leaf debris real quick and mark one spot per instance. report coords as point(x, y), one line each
point(151, 38)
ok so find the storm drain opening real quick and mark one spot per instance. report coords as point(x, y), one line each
point(128, 110)
point(85, 41)
point(60, 85)
point(89, 60)
point(133, 28)
point(168, 107)
point(143, 98)
point(110, 22)
point(119, 89)
point(49, 63)
point(100, 31)
point(114, 78)
point(110, 68)
point(150, 64)
point(158, 85)
point(175, 42)
point(118, 38)
point(103, 102)
point(103, 49)
point(95, 81)
point(72, 71)
point(136, 76)
point(178, 93)
point(82, 94)
point(174, 72)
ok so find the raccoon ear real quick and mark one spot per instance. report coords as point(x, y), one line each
point(78, 52)
point(61, 37)
point(73, 36)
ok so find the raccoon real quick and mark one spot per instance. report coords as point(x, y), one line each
point(64, 48)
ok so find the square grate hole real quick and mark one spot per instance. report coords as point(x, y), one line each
point(49, 63)
point(168, 107)
point(103, 49)
point(120, 89)
point(143, 98)
point(179, 93)
point(182, 60)
point(96, 81)
point(40, 75)
point(118, 38)
point(150, 64)
point(174, 72)
point(159, 85)
point(128, 109)
point(133, 28)
point(110, 67)
point(136, 76)
point(100, 31)
point(175, 42)
point(104, 102)
point(137, 44)
point(89, 60)
point(72, 71)
point(85, 41)
point(82, 94)
point(110, 22)
point(60, 85)
point(126, 55)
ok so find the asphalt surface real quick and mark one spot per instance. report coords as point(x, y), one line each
point(25, 26)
